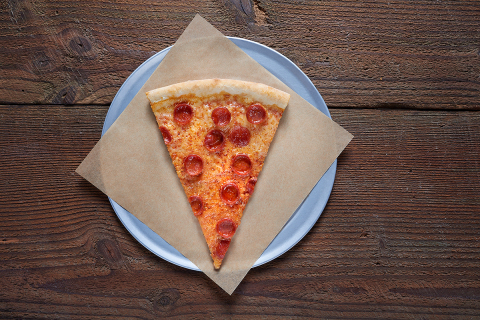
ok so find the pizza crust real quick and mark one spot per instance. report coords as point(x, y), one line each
point(262, 93)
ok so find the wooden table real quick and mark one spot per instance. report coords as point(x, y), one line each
point(399, 237)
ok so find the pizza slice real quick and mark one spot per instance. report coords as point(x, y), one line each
point(218, 133)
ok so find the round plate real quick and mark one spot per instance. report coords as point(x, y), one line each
point(306, 214)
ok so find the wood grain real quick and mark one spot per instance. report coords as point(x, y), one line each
point(390, 54)
point(398, 239)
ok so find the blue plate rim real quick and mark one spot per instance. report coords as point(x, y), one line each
point(329, 176)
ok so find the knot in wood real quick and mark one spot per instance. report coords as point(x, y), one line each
point(65, 96)
point(166, 299)
point(109, 250)
point(80, 45)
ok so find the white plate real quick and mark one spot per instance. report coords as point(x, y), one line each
point(304, 217)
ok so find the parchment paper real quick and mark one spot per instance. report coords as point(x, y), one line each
point(131, 164)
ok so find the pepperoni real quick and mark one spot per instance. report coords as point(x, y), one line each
point(167, 137)
point(222, 248)
point(197, 205)
point(193, 164)
point(226, 228)
point(230, 193)
point(240, 136)
point(241, 164)
point(183, 113)
point(221, 116)
point(256, 114)
point(214, 140)
point(251, 185)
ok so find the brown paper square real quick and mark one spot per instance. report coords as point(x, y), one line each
point(132, 166)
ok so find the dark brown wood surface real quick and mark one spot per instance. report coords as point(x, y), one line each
point(400, 236)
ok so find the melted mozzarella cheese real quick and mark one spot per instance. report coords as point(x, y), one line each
point(189, 139)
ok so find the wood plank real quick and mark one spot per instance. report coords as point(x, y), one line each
point(399, 237)
point(395, 54)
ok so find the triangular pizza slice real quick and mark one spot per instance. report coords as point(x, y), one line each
point(218, 132)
